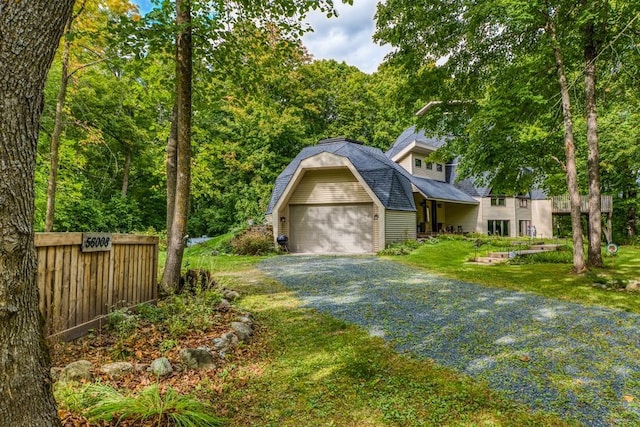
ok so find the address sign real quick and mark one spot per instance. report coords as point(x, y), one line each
point(96, 242)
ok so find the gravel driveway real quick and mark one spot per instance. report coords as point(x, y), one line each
point(581, 362)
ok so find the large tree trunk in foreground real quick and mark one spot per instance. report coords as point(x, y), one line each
point(30, 33)
point(570, 152)
point(593, 162)
point(178, 230)
point(55, 136)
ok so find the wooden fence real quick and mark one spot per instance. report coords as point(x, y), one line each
point(78, 287)
point(562, 204)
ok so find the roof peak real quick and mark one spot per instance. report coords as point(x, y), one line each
point(339, 139)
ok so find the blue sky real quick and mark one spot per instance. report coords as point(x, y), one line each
point(346, 38)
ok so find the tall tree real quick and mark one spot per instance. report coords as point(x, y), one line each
point(179, 188)
point(30, 34)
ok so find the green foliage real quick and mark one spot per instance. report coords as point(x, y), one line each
point(402, 248)
point(253, 242)
point(552, 257)
point(185, 312)
point(104, 403)
point(121, 322)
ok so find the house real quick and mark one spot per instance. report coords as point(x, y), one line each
point(340, 196)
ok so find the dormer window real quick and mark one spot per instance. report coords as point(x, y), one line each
point(418, 163)
point(439, 167)
point(429, 165)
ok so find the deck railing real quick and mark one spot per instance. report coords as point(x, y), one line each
point(562, 204)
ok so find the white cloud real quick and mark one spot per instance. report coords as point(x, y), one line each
point(348, 37)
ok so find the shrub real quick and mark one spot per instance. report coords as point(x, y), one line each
point(121, 322)
point(403, 248)
point(253, 242)
point(552, 257)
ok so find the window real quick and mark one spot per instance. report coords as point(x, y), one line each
point(498, 227)
point(524, 203)
point(429, 165)
point(525, 228)
point(418, 163)
point(439, 167)
point(498, 201)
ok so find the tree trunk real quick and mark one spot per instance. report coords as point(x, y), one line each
point(172, 174)
point(55, 136)
point(569, 148)
point(178, 229)
point(31, 32)
point(593, 162)
point(127, 171)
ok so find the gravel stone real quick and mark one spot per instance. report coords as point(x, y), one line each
point(582, 362)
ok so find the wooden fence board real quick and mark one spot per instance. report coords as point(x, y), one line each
point(78, 287)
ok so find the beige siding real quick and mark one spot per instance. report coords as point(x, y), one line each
point(376, 228)
point(506, 212)
point(423, 172)
point(329, 186)
point(460, 215)
point(406, 163)
point(541, 217)
point(399, 226)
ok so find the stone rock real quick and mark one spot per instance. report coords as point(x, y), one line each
point(242, 330)
point(161, 367)
point(77, 371)
point(633, 285)
point(245, 320)
point(224, 305)
point(55, 373)
point(198, 358)
point(230, 295)
point(117, 369)
point(226, 342)
point(246, 314)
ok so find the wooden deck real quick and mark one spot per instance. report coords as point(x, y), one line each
point(562, 204)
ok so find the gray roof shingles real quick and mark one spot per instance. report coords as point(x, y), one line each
point(385, 178)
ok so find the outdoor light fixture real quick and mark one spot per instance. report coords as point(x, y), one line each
point(375, 217)
point(282, 219)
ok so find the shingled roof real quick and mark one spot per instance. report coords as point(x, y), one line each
point(410, 135)
point(386, 179)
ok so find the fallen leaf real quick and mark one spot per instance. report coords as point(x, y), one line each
point(628, 398)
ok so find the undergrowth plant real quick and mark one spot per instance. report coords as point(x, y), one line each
point(150, 406)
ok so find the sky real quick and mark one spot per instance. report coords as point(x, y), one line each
point(348, 38)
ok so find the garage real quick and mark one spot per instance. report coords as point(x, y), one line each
point(334, 228)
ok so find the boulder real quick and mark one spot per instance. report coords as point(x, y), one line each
point(224, 305)
point(226, 342)
point(230, 295)
point(161, 367)
point(246, 320)
point(198, 358)
point(242, 330)
point(117, 369)
point(77, 371)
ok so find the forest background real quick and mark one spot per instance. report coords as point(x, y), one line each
point(259, 98)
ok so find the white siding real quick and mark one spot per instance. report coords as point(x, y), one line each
point(399, 226)
point(423, 172)
point(506, 212)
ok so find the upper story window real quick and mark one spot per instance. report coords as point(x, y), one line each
point(429, 165)
point(524, 203)
point(498, 201)
point(418, 163)
point(439, 167)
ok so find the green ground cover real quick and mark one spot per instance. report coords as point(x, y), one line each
point(450, 258)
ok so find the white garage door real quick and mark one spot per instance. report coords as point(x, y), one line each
point(331, 228)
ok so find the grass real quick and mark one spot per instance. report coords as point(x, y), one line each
point(100, 402)
point(316, 370)
point(448, 258)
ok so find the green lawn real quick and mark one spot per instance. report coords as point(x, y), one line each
point(449, 258)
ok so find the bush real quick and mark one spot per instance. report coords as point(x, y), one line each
point(403, 248)
point(253, 242)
